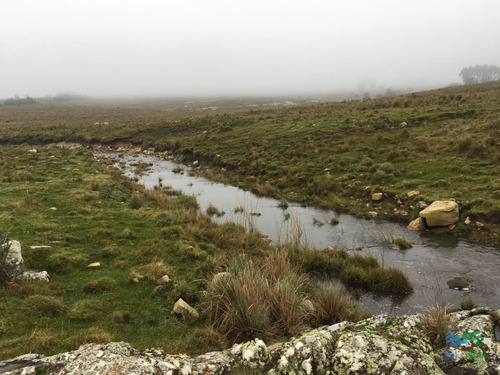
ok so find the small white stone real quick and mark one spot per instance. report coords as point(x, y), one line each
point(248, 353)
point(310, 339)
point(306, 366)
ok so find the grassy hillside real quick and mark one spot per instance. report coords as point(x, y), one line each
point(444, 143)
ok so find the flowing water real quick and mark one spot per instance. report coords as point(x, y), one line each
point(434, 259)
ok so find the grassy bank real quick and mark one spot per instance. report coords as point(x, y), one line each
point(68, 211)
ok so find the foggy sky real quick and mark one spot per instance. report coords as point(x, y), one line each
point(224, 47)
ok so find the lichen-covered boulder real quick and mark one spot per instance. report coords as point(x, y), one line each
point(381, 344)
point(440, 213)
point(13, 262)
point(371, 353)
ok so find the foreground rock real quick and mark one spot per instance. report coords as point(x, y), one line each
point(440, 213)
point(380, 345)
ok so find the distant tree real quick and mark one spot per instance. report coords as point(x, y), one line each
point(480, 74)
point(19, 101)
point(68, 97)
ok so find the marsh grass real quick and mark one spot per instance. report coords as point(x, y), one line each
point(355, 271)
point(214, 211)
point(402, 244)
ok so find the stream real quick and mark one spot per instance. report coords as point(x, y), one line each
point(434, 258)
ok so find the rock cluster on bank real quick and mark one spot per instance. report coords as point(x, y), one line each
point(12, 264)
point(382, 344)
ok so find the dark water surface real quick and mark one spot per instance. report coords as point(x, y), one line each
point(434, 259)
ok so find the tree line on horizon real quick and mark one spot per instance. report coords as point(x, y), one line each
point(480, 74)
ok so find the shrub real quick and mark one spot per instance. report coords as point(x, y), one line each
point(45, 305)
point(386, 167)
point(367, 162)
point(436, 322)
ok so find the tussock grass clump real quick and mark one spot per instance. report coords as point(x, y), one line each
point(212, 210)
point(389, 280)
point(402, 243)
point(86, 310)
point(283, 204)
point(436, 322)
point(258, 301)
point(136, 202)
point(105, 284)
point(467, 304)
point(332, 306)
point(41, 341)
point(45, 305)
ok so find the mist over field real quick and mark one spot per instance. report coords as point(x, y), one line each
point(219, 47)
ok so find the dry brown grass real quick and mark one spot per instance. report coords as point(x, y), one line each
point(151, 271)
point(258, 301)
point(41, 341)
point(331, 305)
point(436, 323)
point(91, 335)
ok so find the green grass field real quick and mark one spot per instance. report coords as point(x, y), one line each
point(69, 210)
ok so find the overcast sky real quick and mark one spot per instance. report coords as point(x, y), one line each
point(224, 47)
